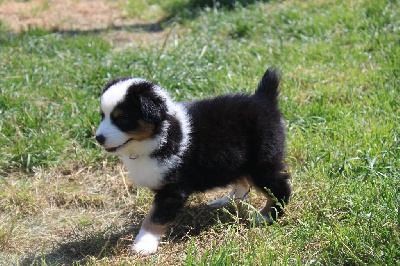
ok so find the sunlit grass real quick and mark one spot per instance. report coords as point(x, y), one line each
point(340, 96)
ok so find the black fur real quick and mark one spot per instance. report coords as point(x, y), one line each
point(232, 136)
point(141, 103)
point(174, 136)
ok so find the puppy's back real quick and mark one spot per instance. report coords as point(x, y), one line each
point(231, 134)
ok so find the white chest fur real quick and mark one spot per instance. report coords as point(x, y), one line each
point(144, 171)
point(149, 172)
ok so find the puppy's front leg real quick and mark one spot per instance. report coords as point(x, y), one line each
point(166, 206)
point(146, 242)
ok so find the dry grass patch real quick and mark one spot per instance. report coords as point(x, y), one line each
point(60, 15)
point(76, 214)
point(73, 17)
point(50, 208)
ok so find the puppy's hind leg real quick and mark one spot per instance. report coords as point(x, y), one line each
point(240, 191)
point(277, 190)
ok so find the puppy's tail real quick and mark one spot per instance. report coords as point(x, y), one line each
point(268, 86)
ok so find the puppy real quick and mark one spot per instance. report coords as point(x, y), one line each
point(176, 149)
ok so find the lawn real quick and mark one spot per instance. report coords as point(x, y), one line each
point(64, 201)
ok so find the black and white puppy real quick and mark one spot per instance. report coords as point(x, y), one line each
point(177, 149)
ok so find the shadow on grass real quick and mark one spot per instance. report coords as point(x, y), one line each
point(139, 27)
point(190, 9)
point(81, 246)
point(177, 11)
point(194, 220)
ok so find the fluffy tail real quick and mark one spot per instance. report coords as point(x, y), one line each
point(268, 86)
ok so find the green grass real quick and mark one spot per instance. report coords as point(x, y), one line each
point(340, 96)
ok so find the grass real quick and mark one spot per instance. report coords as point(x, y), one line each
point(64, 201)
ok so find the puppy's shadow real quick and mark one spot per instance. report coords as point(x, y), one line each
point(193, 220)
point(81, 246)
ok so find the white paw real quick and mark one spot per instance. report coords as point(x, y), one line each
point(144, 248)
point(145, 243)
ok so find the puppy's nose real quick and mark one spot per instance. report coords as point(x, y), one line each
point(100, 139)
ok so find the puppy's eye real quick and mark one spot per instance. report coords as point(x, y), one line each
point(122, 118)
point(118, 113)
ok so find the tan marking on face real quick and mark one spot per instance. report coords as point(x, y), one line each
point(149, 226)
point(145, 131)
point(117, 113)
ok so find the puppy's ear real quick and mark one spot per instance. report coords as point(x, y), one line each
point(153, 108)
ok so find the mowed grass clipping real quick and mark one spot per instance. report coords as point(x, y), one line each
point(63, 200)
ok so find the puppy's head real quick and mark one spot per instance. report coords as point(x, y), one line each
point(132, 110)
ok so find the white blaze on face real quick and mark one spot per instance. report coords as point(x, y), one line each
point(111, 97)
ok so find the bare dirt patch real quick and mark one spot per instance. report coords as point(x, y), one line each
point(74, 16)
